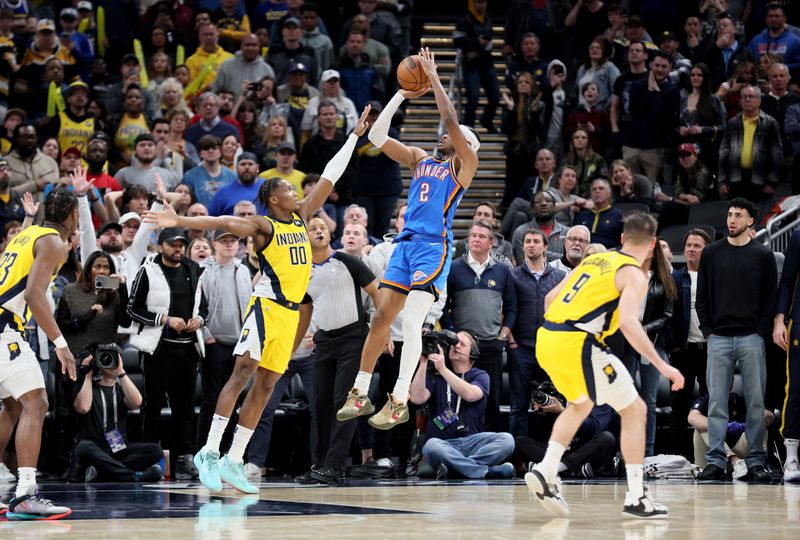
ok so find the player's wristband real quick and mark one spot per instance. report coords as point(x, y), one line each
point(60, 342)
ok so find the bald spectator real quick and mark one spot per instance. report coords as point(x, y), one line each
point(208, 58)
point(544, 211)
point(246, 65)
point(603, 221)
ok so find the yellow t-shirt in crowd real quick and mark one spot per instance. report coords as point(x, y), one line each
point(295, 178)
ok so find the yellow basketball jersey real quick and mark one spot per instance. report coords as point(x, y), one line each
point(590, 297)
point(73, 133)
point(285, 262)
point(15, 265)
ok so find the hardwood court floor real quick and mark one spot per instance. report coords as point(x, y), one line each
point(412, 510)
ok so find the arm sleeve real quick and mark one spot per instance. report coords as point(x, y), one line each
point(380, 130)
point(86, 227)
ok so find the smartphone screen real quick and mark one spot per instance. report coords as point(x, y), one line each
point(107, 282)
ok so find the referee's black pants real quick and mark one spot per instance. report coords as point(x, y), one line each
point(171, 372)
point(338, 357)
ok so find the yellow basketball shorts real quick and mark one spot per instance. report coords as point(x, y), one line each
point(581, 368)
point(268, 334)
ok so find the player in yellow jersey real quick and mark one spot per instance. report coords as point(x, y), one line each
point(279, 312)
point(26, 268)
point(601, 295)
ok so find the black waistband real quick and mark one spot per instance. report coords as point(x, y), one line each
point(294, 306)
point(561, 327)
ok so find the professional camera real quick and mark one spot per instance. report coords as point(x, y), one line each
point(542, 393)
point(105, 355)
point(445, 338)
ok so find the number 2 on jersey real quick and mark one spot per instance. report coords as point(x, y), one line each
point(579, 283)
point(5, 265)
point(424, 188)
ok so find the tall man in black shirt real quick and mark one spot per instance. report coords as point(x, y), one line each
point(735, 310)
point(171, 309)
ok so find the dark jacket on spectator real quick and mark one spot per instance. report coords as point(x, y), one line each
point(524, 139)
point(715, 61)
point(778, 108)
point(530, 301)
point(605, 225)
point(657, 313)
point(767, 151)
point(318, 151)
point(654, 114)
point(465, 37)
point(681, 309)
point(280, 58)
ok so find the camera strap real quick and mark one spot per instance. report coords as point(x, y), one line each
point(450, 396)
point(105, 407)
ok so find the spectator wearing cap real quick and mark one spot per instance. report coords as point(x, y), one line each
point(210, 122)
point(226, 284)
point(296, 93)
point(169, 310)
point(10, 203)
point(379, 198)
point(76, 42)
point(143, 171)
point(331, 91)
point(11, 119)
point(695, 185)
point(233, 23)
point(290, 51)
point(286, 157)
point(668, 42)
point(247, 65)
point(208, 58)
point(129, 70)
point(208, 177)
point(31, 169)
point(359, 78)
point(74, 126)
point(43, 47)
point(314, 37)
point(245, 188)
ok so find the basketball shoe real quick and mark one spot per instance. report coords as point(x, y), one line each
point(233, 474)
point(207, 463)
point(643, 508)
point(549, 494)
point(33, 507)
point(390, 415)
point(791, 471)
point(356, 405)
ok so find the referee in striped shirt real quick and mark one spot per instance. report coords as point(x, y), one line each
point(337, 280)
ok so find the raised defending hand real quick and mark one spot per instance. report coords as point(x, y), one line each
point(428, 62)
point(79, 183)
point(161, 190)
point(166, 218)
point(362, 125)
point(29, 205)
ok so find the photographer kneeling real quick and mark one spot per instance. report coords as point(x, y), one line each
point(102, 406)
point(456, 393)
point(593, 443)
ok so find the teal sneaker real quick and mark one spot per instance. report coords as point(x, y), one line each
point(207, 463)
point(233, 473)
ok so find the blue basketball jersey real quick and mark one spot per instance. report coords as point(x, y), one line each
point(433, 196)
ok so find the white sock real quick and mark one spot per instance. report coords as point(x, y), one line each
point(363, 380)
point(635, 475)
point(552, 459)
point(791, 449)
point(26, 485)
point(240, 439)
point(215, 433)
point(561, 467)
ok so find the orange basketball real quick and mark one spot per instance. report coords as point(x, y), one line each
point(410, 75)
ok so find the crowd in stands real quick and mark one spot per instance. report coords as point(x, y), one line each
point(603, 107)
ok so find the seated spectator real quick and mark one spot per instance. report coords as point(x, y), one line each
point(604, 221)
point(383, 26)
point(11, 119)
point(519, 210)
point(575, 244)
point(357, 214)
point(230, 148)
point(50, 148)
point(296, 93)
point(526, 61)
point(582, 158)
point(246, 115)
point(210, 122)
point(736, 446)
point(31, 169)
point(567, 203)
point(246, 65)
point(543, 208)
point(522, 125)
point(178, 120)
point(354, 240)
point(590, 450)
point(206, 61)
point(702, 117)
point(378, 53)
point(158, 71)
point(125, 128)
point(284, 168)
point(347, 116)
point(52, 77)
point(695, 185)
point(358, 76)
point(143, 172)
point(328, 211)
point(11, 208)
point(629, 187)
point(115, 95)
point(73, 126)
point(276, 132)
point(244, 188)
point(170, 98)
point(590, 118)
point(291, 51)
point(457, 445)
point(198, 250)
point(43, 47)
point(103, 448)
point(600, 70)
point(206, 179)
point(486, 212)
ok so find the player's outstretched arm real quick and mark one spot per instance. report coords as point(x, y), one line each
point(465, 153)
point(242, 227)
point(48, 252)
point(631, 283)
point(334, 169)
point(379, 134)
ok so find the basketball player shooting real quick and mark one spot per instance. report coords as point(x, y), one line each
point(418, 268)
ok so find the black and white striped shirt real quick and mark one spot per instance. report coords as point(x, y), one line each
point(335, 289)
